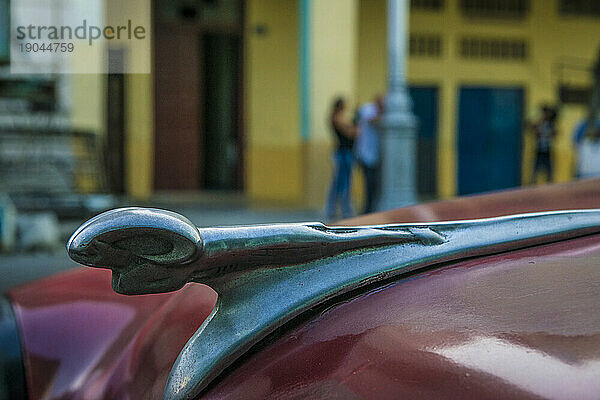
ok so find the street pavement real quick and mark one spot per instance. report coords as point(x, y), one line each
point(20, 267)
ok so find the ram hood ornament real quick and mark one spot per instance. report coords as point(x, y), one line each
point(266, 275)
point(156, 251)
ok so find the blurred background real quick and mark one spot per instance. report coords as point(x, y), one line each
point(232, 125)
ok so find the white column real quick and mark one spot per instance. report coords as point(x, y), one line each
point(398, 133)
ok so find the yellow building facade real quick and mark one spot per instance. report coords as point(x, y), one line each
point(559, 46)
point(299, 54)
point(348, 56)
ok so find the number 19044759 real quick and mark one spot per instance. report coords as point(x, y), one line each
point(53, 47)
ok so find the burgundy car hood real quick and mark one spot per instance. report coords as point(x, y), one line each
point(523, 324)
point(519, 324)
point(83, 341)
point(567, 196)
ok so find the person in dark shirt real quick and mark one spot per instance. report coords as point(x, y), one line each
point(345, 133)
point(545, 131)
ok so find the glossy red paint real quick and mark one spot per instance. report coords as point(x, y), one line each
point(521, 325)
point(568, 196)
point(83, 341)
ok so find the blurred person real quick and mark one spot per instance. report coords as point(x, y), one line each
point(367, 149)
point(587, 144)
point(345, 132)
point(579, 133)
point(545, 131)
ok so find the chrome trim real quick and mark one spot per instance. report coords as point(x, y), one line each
point(267, 274)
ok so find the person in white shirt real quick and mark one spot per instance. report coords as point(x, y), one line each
point(367, 151)
point(587, 144)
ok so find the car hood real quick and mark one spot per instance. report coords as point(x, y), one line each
point(82, 340)
point(580, 194)
point(522, 324)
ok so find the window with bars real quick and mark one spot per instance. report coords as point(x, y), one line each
point(425, 45)
point(580, 7)
point(495, 8)
point(574, 94)
point(427, 5)
point(493, 48)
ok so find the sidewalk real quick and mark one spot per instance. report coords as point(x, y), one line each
point(222, 209)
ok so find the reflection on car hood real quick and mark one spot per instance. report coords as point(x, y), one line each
point(81, 340)
point(521, 325)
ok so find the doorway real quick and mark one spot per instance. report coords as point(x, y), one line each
point(198, 92)
point(222, 144)
point(425, 107)
point(490, 124)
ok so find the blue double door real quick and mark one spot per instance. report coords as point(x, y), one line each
point(490, 125)
point(425, 108)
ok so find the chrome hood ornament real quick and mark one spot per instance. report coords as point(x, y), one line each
point(157, 251)
point(267, 274)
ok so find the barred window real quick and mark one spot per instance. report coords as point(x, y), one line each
point(495, 8)
point(428, 5)
point(493, 48)
point(580, 7)
point(425, 45)
point(574, 94)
